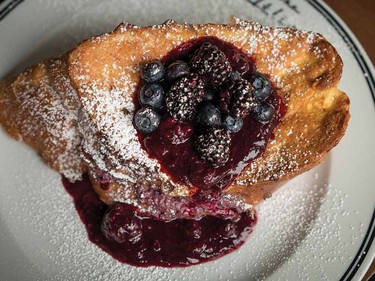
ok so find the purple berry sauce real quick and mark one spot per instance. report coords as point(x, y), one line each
point(246, 145)
point(133, 238)
point(120, 232)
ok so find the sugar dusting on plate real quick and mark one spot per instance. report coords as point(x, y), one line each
point(293, 217)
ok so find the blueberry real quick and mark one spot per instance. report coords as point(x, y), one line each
point(152, 95)
point(177, 70)
point(209, 96)
point(146, 120)
point(209, 116)
point(153, 71)
point(233, 124)
point(261, 85)
point(264, 112)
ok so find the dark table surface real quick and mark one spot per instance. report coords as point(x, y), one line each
point(359, 15)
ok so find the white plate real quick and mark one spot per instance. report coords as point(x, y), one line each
point(320, 226)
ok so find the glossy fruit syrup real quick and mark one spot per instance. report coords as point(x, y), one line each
point(146, 242)
point(134, 239)
point(172, 144)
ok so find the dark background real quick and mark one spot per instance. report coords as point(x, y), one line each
point(359, 15)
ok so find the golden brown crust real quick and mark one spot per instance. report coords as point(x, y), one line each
point(315, 121)
point(304, 67)
point(37, 107)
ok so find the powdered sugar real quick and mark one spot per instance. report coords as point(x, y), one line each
point(40, 107)
point(118, 144)
point(92, 263)
point(299, 215)
point(104, 98)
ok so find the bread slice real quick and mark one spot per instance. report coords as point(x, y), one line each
point(104, 71)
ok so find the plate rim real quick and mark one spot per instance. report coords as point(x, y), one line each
point(367, 247)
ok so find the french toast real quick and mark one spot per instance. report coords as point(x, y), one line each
point(81, 115)
point(304, 66)
point(40, 107)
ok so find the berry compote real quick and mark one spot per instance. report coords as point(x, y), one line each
point(134, 240)
point(173, 142)
point(204, 113)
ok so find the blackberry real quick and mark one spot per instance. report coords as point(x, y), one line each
point(235, 75)
point(243, 99)
point(209, 61)
point(224, 101)
point(184, 96)
point(241, 63)
point(212, 146)
point(209, 96)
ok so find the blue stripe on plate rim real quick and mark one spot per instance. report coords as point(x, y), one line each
point(9, 6)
